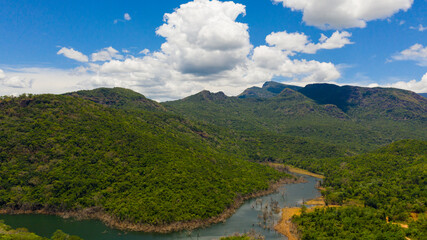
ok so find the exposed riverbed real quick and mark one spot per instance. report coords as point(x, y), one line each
point(247, 217)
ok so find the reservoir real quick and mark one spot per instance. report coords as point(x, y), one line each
point(249, 216)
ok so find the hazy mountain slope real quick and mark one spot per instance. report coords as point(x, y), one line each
point(62, 153)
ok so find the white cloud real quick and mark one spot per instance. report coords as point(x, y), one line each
point(420, 28)
point(339, 14)
point(205, 48)
point(416, 53)
point(299, 42)
point(106, 54)
point(14, 81)
point(73, 54)
point(17, 82)
point(41, 80)
point(127, 17)
point(272, 62)
point(413, 85)
point(145, 52)
point(202, 37)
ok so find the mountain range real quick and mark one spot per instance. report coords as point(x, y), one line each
point(138, 161)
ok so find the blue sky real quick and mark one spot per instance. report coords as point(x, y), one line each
point(59, 46)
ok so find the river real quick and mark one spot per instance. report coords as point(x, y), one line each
point(245, 219)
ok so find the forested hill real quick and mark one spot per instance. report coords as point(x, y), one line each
point(370, 103)
point(352, 118)
point(62, 153)
point(119, 98)
point(388, 183)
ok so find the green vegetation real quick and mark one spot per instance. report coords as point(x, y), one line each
point(62, 153)
point(251, 235)
point(347, 120)
point(390, 182)
point(115, 151)
point(7, 233)
point(346, 223)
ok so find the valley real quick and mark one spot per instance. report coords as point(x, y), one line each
point(138, 165)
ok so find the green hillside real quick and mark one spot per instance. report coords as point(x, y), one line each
point(63, 153)
point(390, 182)
point(119, 98)
point(352, 119)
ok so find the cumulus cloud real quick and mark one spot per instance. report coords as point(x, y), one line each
point(106, 54)
point(299, 42)
point(271, 62)
point(2, 75)
point(73, 54)
point(203, 37)
point(417, 53)
point(205, 48)
point(339, 14)
point(413, 85)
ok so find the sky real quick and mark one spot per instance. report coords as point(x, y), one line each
point(171, 49)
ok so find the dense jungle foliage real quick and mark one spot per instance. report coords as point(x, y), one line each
point(346, 223)
point(390, 182)
point(7, 233)
point(61, 153)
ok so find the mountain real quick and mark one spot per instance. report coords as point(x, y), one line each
point(268, 90)
point(388, 182)
point(119, 98)
point(353, 119)
point(362, 102)
point(62, 153)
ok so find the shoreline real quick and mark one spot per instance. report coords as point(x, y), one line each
point(285, 226)
point(97, 213)
point(305, 172)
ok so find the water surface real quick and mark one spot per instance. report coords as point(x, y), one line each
point(245, 219)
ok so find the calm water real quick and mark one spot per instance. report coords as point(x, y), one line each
point(245, 219)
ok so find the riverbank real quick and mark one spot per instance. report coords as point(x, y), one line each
point(285, 225)
point(304, 172)
point(111, 221)
point(292, 169)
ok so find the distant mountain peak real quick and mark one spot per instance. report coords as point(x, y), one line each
point(269, 89)
point(392, 103)
point(206, 95)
